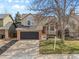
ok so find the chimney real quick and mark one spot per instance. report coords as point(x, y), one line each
point(72, 12)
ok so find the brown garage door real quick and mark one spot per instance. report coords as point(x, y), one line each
point(29, 35)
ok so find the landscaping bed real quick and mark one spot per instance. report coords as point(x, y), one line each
point(69, 47)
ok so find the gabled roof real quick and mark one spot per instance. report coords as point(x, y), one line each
point(23, 16)
point(40, 19)
point(36, 17)
point(2, 16)
point(7, 26)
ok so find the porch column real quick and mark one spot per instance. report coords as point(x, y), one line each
point(6, 34)
point(40, 34)
point(46, 31)
point(18, 35)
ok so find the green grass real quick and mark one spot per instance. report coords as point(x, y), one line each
point(69, 47)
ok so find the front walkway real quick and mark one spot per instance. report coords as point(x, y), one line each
point(29, 49)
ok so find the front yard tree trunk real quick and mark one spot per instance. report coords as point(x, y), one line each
point(62, 31)
point(63, 36)
point(55, 43)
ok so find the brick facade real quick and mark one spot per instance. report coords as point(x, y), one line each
point(2, 32)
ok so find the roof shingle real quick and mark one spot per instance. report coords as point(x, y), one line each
point(3, 16)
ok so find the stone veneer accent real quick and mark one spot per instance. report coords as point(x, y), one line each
point(7, 34)
point(18, 35)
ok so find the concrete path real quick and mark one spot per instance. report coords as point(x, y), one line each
point(29, 49)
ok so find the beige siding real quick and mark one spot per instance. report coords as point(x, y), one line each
point(6, 20)
point(1, 23)
point(28, 18)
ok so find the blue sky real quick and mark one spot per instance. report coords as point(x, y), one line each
point(12, 6)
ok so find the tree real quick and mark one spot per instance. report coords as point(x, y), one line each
point(17, 17)
point(61, 9)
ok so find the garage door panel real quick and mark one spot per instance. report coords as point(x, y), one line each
point(29, 35)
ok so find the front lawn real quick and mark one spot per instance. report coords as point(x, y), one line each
point(69, 47)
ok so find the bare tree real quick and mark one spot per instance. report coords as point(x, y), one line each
point(61, 9)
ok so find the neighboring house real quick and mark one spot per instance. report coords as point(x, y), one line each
point(73, 26)
point(33, 26)
point(6, 22)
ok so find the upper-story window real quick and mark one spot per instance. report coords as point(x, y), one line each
point(29, 23)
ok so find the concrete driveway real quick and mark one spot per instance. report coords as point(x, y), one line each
point(29, 49)
point(23, 49)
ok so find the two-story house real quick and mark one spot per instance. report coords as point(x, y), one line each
point(33, 26)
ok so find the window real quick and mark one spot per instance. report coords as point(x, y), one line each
point(52, 28)
point(29, 23)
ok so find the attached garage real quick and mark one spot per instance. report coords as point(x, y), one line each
point(29, 35)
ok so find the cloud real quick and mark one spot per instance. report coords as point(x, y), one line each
point(9, 0)
point(1, 6)
point(19, 7)
point(27, 1)
point(18, 1)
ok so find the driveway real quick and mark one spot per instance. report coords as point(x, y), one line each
point(29, 49)
point(23, 49)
